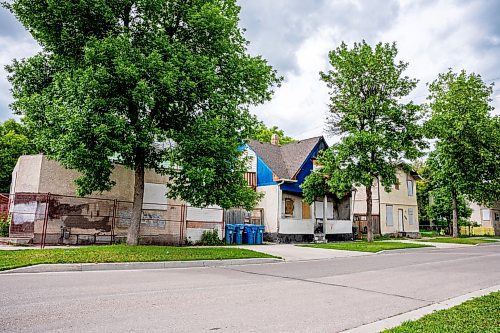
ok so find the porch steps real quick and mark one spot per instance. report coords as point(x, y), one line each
point(320, 238)
point(16, 240)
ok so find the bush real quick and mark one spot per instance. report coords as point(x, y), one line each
point(210, 237)
point(4, 226)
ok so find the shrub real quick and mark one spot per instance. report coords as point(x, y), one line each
point(210, 237)
point(4, 226)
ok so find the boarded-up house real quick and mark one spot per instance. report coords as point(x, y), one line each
point(278, 171)
point(43, 206)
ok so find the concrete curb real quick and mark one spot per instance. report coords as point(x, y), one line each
point(397, 320)
point(88, 267)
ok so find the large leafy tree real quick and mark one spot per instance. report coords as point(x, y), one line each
point(118, 78)
point(14, 142)
point(261, 132)
point(466, 160)
point(377, 129)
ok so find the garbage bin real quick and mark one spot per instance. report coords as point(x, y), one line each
point(229, 233)
point(238, 233)
point(259, 235)
point(249, 234)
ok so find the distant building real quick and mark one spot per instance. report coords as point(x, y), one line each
point(395, 212)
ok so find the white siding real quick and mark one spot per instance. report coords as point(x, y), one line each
point(210, 214)
point(338, 227)
point(296, 227)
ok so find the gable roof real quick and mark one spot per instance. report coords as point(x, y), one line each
point(286, 160)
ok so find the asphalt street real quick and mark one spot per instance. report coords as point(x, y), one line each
point(325, 295)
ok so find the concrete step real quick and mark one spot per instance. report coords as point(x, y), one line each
point(320, 238)
point(16, 240)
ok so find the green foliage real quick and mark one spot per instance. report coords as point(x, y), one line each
point(378, 130)
point(440, 208)
point(314, 186)
point(480, 314)
point(210, 238)
point(116, 77)
point(4, 226)
point(263, 133)
point(14, 142)
point(466, 160)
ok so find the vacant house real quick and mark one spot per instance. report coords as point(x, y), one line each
point(278, 171)
point(394, 212)
point(43, 206)
point(487, 217)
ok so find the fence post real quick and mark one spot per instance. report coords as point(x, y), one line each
point(45, 221)
point(112, 240)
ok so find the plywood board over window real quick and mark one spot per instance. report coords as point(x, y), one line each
point(306, 211)
point(288, 207)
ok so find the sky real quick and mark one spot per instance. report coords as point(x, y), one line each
point(295, 37)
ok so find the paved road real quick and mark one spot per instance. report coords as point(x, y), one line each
point(303, 296)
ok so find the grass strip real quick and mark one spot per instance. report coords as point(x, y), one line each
point(481, 315)
point(365, 246)
point(470, 241)
point(121, 253)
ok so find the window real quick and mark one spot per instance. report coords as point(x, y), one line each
point(409, 184)
point(497, 216)
point(396, 186)
point(388, 217)
point(410, 216)
point(486, 214)
point(306, 211)
point(288, 207)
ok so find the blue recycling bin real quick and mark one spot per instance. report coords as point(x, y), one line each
point(238, 233)
point(259, 235)
point(230, 233)
point(249, 234)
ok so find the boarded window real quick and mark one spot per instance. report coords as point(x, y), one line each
point(306, 211)
point(410, 216)
point(409, 184)
point(396, 186)
point(389, 216)
point(288, 207)
point(486, 214)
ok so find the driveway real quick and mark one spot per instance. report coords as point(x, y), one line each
point(290, 252)
point(326, 295)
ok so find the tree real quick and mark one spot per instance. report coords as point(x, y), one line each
point(466, 160)
point(121, 78)
point(14, 142)
point(377, 129)
point(440, 208)
point(263, 133)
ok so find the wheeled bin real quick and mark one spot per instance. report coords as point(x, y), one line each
point(249, 234)
point(259, 235)
point(229, 233)
point(238, 233)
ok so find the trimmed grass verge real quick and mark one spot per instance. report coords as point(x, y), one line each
point(121, 253)
point(365, 246)
point(481, 314)
point(471, 241)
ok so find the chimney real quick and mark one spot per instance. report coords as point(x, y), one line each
point(275, 139)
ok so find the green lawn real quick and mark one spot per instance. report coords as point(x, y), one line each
point(121, 253)
point(471, 241)
point(481, 315)
point(365, 246)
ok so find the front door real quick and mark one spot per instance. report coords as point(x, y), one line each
point(400, 220)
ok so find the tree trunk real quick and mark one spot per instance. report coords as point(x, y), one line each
point(369, 220)
point(455, 213)
point(325, 210)
point(135, 223)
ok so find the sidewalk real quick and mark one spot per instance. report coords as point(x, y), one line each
point(436, 245)
point(291, 252)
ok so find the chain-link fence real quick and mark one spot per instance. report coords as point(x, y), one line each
point(57, 219)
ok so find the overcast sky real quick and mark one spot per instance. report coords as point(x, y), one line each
point(296, 35)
